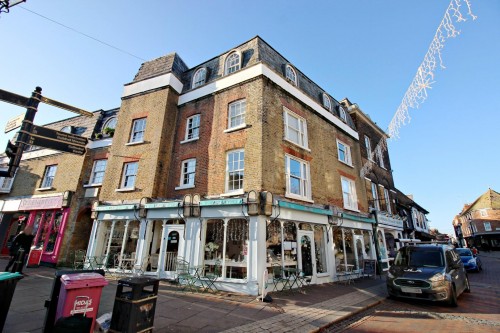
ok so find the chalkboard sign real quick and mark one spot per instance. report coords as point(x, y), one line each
point(370, 267)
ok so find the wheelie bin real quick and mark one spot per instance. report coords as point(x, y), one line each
point(8, 282)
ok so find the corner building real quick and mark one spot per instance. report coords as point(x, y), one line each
point(233, 165)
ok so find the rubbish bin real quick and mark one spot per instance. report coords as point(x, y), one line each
point(8, 282)
point(80, 294)
point(51, 304)
point(135, 305)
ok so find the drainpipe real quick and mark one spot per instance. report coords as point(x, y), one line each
point(375, 241)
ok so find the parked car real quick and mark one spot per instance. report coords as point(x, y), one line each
point(471, 261)
point(431, 272)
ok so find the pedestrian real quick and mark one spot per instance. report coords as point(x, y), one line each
point(22, 240)
point(474, 250)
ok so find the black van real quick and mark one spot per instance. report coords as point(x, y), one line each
point(431, 272)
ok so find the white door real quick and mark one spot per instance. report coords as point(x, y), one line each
point(174, 237)
point(306, 254)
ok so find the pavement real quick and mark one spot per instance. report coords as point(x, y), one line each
point(317, 307)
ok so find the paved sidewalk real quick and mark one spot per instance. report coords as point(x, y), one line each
point(179, 311)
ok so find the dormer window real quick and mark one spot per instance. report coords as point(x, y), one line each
point(67, 129)
point(199, 77)
point(233, 62)
point(326, 102)
point(290, 74)
point(342, 113)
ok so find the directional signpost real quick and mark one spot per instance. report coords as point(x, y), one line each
point(49, 138)
point(37, 135)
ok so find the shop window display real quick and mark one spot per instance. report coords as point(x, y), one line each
point(319, 244)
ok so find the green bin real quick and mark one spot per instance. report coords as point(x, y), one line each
point(8, 282)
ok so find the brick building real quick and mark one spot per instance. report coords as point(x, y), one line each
point(198, 147)
point(47, 192)
point(478, 224)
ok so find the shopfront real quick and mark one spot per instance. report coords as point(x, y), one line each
point(389, 228)
point(353, 239)
point(222, 237)
point(48, 218)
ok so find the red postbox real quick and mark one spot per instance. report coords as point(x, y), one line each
point(80, 294)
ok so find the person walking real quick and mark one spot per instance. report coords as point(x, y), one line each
point(22, 240)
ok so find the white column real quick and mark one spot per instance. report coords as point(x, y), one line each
point(163, 247)
point(93, 236)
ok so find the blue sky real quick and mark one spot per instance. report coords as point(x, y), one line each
point(367, 50)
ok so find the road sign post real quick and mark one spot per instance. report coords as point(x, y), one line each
point(36, 135)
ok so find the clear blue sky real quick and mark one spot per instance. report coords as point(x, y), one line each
point(367, 50)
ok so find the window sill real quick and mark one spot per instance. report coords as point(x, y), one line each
point(189, 140)
point(352, 209)
point(44, 189)
point(134, 143)
point(236, 128)
point(229, 194)
point(93, 185)
point(349, 165)
point(297, 197)
point(298, 145)
point(130, 189)
point(184, 187)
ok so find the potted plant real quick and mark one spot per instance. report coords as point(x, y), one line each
point(98, 135)
point(109, 131)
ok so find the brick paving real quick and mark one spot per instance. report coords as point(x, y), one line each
point(178, 311)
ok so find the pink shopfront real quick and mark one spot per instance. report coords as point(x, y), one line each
point(49, 219)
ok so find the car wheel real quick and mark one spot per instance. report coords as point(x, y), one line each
point(467, 285)
point(452, 301)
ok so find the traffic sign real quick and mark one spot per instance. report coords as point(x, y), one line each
point(64, 137)
point(57, 145)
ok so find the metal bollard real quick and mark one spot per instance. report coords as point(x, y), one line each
point(19, 262)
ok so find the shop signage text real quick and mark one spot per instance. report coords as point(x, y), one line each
point(41, 203)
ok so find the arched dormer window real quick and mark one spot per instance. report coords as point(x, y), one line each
point(233, 62)
point(326, 102)
point(199, 77)
point(110, 123)
point(342, 113)
point(67, 129)
point(290, 74)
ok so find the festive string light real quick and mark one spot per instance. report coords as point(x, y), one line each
point(424, 78)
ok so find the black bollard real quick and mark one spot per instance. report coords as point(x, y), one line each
point(19, 262)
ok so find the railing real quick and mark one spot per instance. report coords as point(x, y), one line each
point(171, 261)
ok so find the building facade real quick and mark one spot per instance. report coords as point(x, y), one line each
point(478, 224)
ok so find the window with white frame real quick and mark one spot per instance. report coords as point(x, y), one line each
point(98, 172)
point(344, 152)
point(368, 146)
point(376, 204)
point(188, 171)
point(380, 157)
point(129, 175)
point(235, 170)
point(199, 77)
point(110, 123)
point(298, 184)
point(342, 113)
point(487, 226)
point(6, 183)
point(192, 128)
point(236, 116)
point(349, 193)
point(290, 74)
point(138, 129)
point(326, 102)
point(387, 201)
point(233, 63)
point(295, 128)
point(48, 176)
